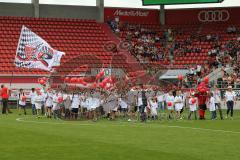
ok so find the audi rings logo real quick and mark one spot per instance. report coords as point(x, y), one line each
point(213, 16)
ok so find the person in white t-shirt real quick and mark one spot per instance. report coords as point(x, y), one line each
point(83, 104)
point(22, 102)
point(178, 101)
point(38, 100)
point(217, 96)
point(123, 106)
point(132, 105)
point(153, 107)
point(75, 105)
point(139, 101)
point(95, 103)
point(212, 107)
point(67, 106)
point(49, 103)
point(56, 106)
point(170, 104)
point(60, 96)
point(32, 96)
point(192, 107)
point(230, 98)
point(44, 95)
point(160, 99)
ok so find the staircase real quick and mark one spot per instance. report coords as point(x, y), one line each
point(217, 73)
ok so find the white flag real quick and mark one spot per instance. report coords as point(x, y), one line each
point(34, 52)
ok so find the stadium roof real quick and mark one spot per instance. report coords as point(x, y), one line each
point(127, 3)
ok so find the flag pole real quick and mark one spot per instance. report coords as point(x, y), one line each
point(11, 80)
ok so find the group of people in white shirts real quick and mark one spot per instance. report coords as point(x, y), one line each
point(69, 105)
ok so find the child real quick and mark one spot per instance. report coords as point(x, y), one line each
point(67, 105)
point(49, 103)
point(75, 105)
point(32, 96)
point(192, 107)
point(38, 99)
point(178, 100)
point(94, 105)
point(170, 103)
point(153, 106)
point(212, 107)
point(22, 102)
point(56, 106)
point(123, 105)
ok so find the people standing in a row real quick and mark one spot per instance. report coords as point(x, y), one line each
point(117, 104)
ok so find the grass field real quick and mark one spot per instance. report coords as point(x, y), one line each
point(28, 138)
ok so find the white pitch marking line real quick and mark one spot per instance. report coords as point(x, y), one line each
point(167, 126)
point(201, 129)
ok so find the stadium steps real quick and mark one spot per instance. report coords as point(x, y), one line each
point(131, 61)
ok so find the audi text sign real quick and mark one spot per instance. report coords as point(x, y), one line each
point(213, 16)
point(168, 2)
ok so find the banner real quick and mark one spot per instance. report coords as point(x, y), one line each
point(175, 16)
point(34, 52)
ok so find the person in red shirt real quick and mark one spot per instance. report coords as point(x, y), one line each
point(4, 95)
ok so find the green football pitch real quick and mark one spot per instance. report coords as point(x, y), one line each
point(28, 138)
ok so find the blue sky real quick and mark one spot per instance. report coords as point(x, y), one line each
point(128, 3)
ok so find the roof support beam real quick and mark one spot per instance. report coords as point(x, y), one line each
point(35, 4)
point(100, 5)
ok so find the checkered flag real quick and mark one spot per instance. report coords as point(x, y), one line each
point(35, 52)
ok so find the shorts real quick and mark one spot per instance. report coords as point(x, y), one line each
point(203, 107)
point(178, 108)
point(49, 107)
point(38, 106)
point(135, 108)
point(22, 106)
point(84, 109)
point(170, 108)
point(124, 110)
point(75, 110)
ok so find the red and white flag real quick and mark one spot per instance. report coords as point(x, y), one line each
point(35, 52)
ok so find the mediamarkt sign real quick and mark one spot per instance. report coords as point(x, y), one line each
point(132, 13)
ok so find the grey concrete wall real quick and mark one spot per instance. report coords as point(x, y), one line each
point(61, 11)
point(51, 11)
point(16, 9)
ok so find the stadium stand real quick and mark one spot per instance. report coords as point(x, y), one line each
point(78, 38)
